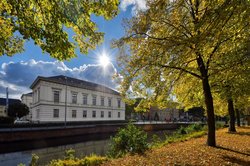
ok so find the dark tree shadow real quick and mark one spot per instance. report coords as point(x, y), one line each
point(231, 150)
point(236, 160)
point(240, 133)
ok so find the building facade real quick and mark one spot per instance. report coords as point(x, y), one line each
point(80, 100)
point(28, 99)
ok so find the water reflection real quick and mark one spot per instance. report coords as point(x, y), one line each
point(99, 147)
point(82, 146)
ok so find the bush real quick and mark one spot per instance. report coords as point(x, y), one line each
point(219, 125)
point(93, 160)
point(71, 160)
point(69, 154)
point(190, 129)
point(156, 139)
point(194, 127)
point(181, 131)
point(34, 160)
point(128, 140)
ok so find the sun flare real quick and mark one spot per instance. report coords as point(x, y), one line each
point(104, 60)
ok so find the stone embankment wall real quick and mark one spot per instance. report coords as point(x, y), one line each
point(39, 133)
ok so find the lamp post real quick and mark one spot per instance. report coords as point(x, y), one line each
point(65, 114)
point(7, 101)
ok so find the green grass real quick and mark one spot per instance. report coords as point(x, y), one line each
point(182, 134)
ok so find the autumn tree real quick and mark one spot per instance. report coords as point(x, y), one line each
point(177, 44)
point(233, 82)
point(242, 104)
point(18, 110)
point(48, 22)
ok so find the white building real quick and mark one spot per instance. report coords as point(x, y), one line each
point(27, 99)
point(81, 100)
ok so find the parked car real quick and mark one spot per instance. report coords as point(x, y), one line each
point(21, 121)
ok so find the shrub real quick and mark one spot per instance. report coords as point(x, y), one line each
point(194, 127)
point(181, 131)
point(219, 125)
point(189, 129)
point(70, 154)
point(71, 160)
point(93, 160)
point(34, 160)
point(128, 140)
point(155, 141)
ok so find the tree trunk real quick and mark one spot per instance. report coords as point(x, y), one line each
point(210, 113)
point(238, 117)
point(208, 101)
point(231, 115)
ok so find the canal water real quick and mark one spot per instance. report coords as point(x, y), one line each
point(98, 145)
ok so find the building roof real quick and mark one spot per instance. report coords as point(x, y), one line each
point(27, 94)
point(11, 101)
point(69, 81)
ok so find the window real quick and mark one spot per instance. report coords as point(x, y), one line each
point(110, 102)
point(102, 114)
point(35, 97)
point(102, 101)
point(85, 99)
point(94, 100)
point(74, 98)
point(109, 114)
point(93, 114)
point(56, 113)
point(84, 114)
point(119, 103)
point(38, 94)
point(56, 96)
point(73, 113)
point(37, 114)
point(119, 114)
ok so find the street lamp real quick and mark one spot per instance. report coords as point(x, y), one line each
point(65, 114)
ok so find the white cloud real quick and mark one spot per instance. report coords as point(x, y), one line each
point(20, 75)
point(137, 5)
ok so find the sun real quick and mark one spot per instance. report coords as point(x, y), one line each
point(104, 60)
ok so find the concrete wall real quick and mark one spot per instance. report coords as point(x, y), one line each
point(39, 134)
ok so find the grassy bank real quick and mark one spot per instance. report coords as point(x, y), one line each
point(186, 146)
point(232, 149)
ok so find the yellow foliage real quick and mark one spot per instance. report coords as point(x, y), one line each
point(92, 160)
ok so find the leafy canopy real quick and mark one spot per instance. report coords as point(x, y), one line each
point(175, 45)
point(174, 40)
point(46, 22)
point(18, 110)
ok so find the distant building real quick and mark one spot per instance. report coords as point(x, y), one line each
point(28, 99)
point(156, 114)
point(82, 101)
point(3, 111)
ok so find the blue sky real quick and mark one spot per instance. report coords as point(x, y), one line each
point(18, 72)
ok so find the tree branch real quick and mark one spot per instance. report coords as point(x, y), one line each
point(181, 69)
point(151, 37)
